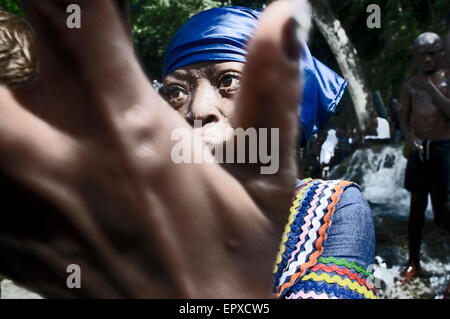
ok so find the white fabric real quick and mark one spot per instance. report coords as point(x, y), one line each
point(327, 151)
point(383, 130)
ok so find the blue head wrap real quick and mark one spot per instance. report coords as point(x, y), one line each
point(221, 34)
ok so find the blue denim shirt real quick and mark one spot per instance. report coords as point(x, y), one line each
point(329, 244)
point(352, 231)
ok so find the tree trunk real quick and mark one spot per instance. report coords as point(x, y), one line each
point(346, 56)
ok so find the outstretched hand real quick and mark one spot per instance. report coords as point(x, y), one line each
point(91, 137)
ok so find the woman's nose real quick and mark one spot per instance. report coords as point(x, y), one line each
point(205, 105)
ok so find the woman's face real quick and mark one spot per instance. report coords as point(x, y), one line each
point(205, 92)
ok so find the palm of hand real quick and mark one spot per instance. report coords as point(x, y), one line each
point(92, 138)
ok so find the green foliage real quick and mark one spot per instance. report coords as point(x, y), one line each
point(156, 21)
point(11, 6)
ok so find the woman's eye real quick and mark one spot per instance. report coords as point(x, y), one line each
point(176, 96)
point(229, 82)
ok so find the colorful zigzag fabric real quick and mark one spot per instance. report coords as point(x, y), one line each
point(300, 271)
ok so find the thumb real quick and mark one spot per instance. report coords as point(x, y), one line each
point(268, 99)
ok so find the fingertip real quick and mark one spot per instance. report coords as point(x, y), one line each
point(291, 42)
point(284, 27)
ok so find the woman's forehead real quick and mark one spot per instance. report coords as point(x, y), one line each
point(205, 69)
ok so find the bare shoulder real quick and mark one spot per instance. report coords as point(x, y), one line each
point(409, 84)
point(413, 81)
point(405, 86)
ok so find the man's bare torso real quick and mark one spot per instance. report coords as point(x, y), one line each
point(427, 120)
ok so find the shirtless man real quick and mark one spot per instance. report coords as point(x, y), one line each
point(425, 124)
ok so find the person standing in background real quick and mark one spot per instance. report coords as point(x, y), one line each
point(425, 125)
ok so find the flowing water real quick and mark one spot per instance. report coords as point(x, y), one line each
point(379, 170)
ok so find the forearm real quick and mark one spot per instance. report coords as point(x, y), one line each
point(439, 99)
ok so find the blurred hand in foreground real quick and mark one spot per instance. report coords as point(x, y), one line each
point(92, 139)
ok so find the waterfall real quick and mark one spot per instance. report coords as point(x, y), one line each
point(380, 173)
